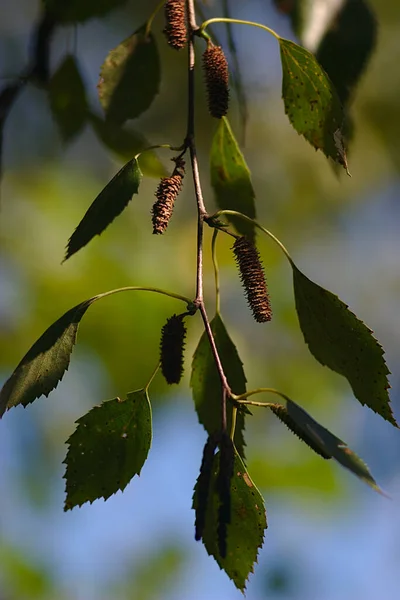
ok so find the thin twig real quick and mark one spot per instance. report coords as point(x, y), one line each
point(201, 209)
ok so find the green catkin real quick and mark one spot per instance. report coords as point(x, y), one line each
point(216, 73)
point(176, 28)
point(253, 279)
point(171, 349)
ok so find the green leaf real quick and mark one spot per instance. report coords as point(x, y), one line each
point(130, 77)
point(44, 365)
point(245, 533)
point(347, 45)
point(321, 440)
point(311, 101)
point(126, 143)
point(77, 11)
point(67, 99)
point(108, 205)
point(339, 340)
point(110, 446)
point(230, 178)
point(206, 384)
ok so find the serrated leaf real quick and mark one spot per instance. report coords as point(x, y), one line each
point(108, 448)
point(107, 206)
point(245, 533)
point(311, 101)
point(68, 99)
point(44, 365)
point(76, 11)
point(206, 384)
point(230, 178)
point(321, 440)
point(127, 143)
point(130, 77)
point(340, 341)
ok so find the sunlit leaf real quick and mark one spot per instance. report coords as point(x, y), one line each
point(206, 384)
point(68, 99)
point(76, 11)
point(108, 205)
point(245, 533)
point(311, 101)
point(339, 340)
point(321, 440)
point(126, 144)
point(230, 178)
point(109, 447)
point(44, 365)
point(130, 77)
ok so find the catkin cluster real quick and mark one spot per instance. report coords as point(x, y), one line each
point(216, 73)
point(175, 23)
point(253, 279)
point(166, 193)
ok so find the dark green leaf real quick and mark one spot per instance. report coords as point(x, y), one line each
point(311, 101)
point(230, 178)
point(321, 440)
point(339, 340)
point(67, 99)
point(108, 205)
point(127, 143)
point(110, 446)
point(45, 363)
point(130, 77)
point(206, 384)
point(76, 11)
point(245, 533)
point(347, 45)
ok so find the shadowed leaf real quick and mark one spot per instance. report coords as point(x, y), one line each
point(77, 11)
point(67, 99)
point(311, 101)
point(130, 77)
point(126, 143)
point(206, 384)
point(230, 178)
point(44, 365)
point(108, 205)
point(245, 532)
point(110, 446)
point(339, 340)
point(321, 440)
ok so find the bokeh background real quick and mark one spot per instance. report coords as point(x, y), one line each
point(329, 536)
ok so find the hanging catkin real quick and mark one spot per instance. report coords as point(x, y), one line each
point(215, 68)
point(166, 193)
point(253, 279)
point(171, 348)
point(175, 28)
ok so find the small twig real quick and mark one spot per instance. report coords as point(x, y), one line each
point(201, 210)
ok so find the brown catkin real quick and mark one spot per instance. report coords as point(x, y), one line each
point(171, 348)
point(253, 279)
point(216, 73)
point(166, 193)
point(175, 29)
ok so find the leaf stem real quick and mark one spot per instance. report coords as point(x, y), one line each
point(134, 288)
point(233, 424)
point(158, 147)
point(153, 15)
point(242, 398)
point(154, 373)
point(235, 213)
point(239, 22)
point(216, 272)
